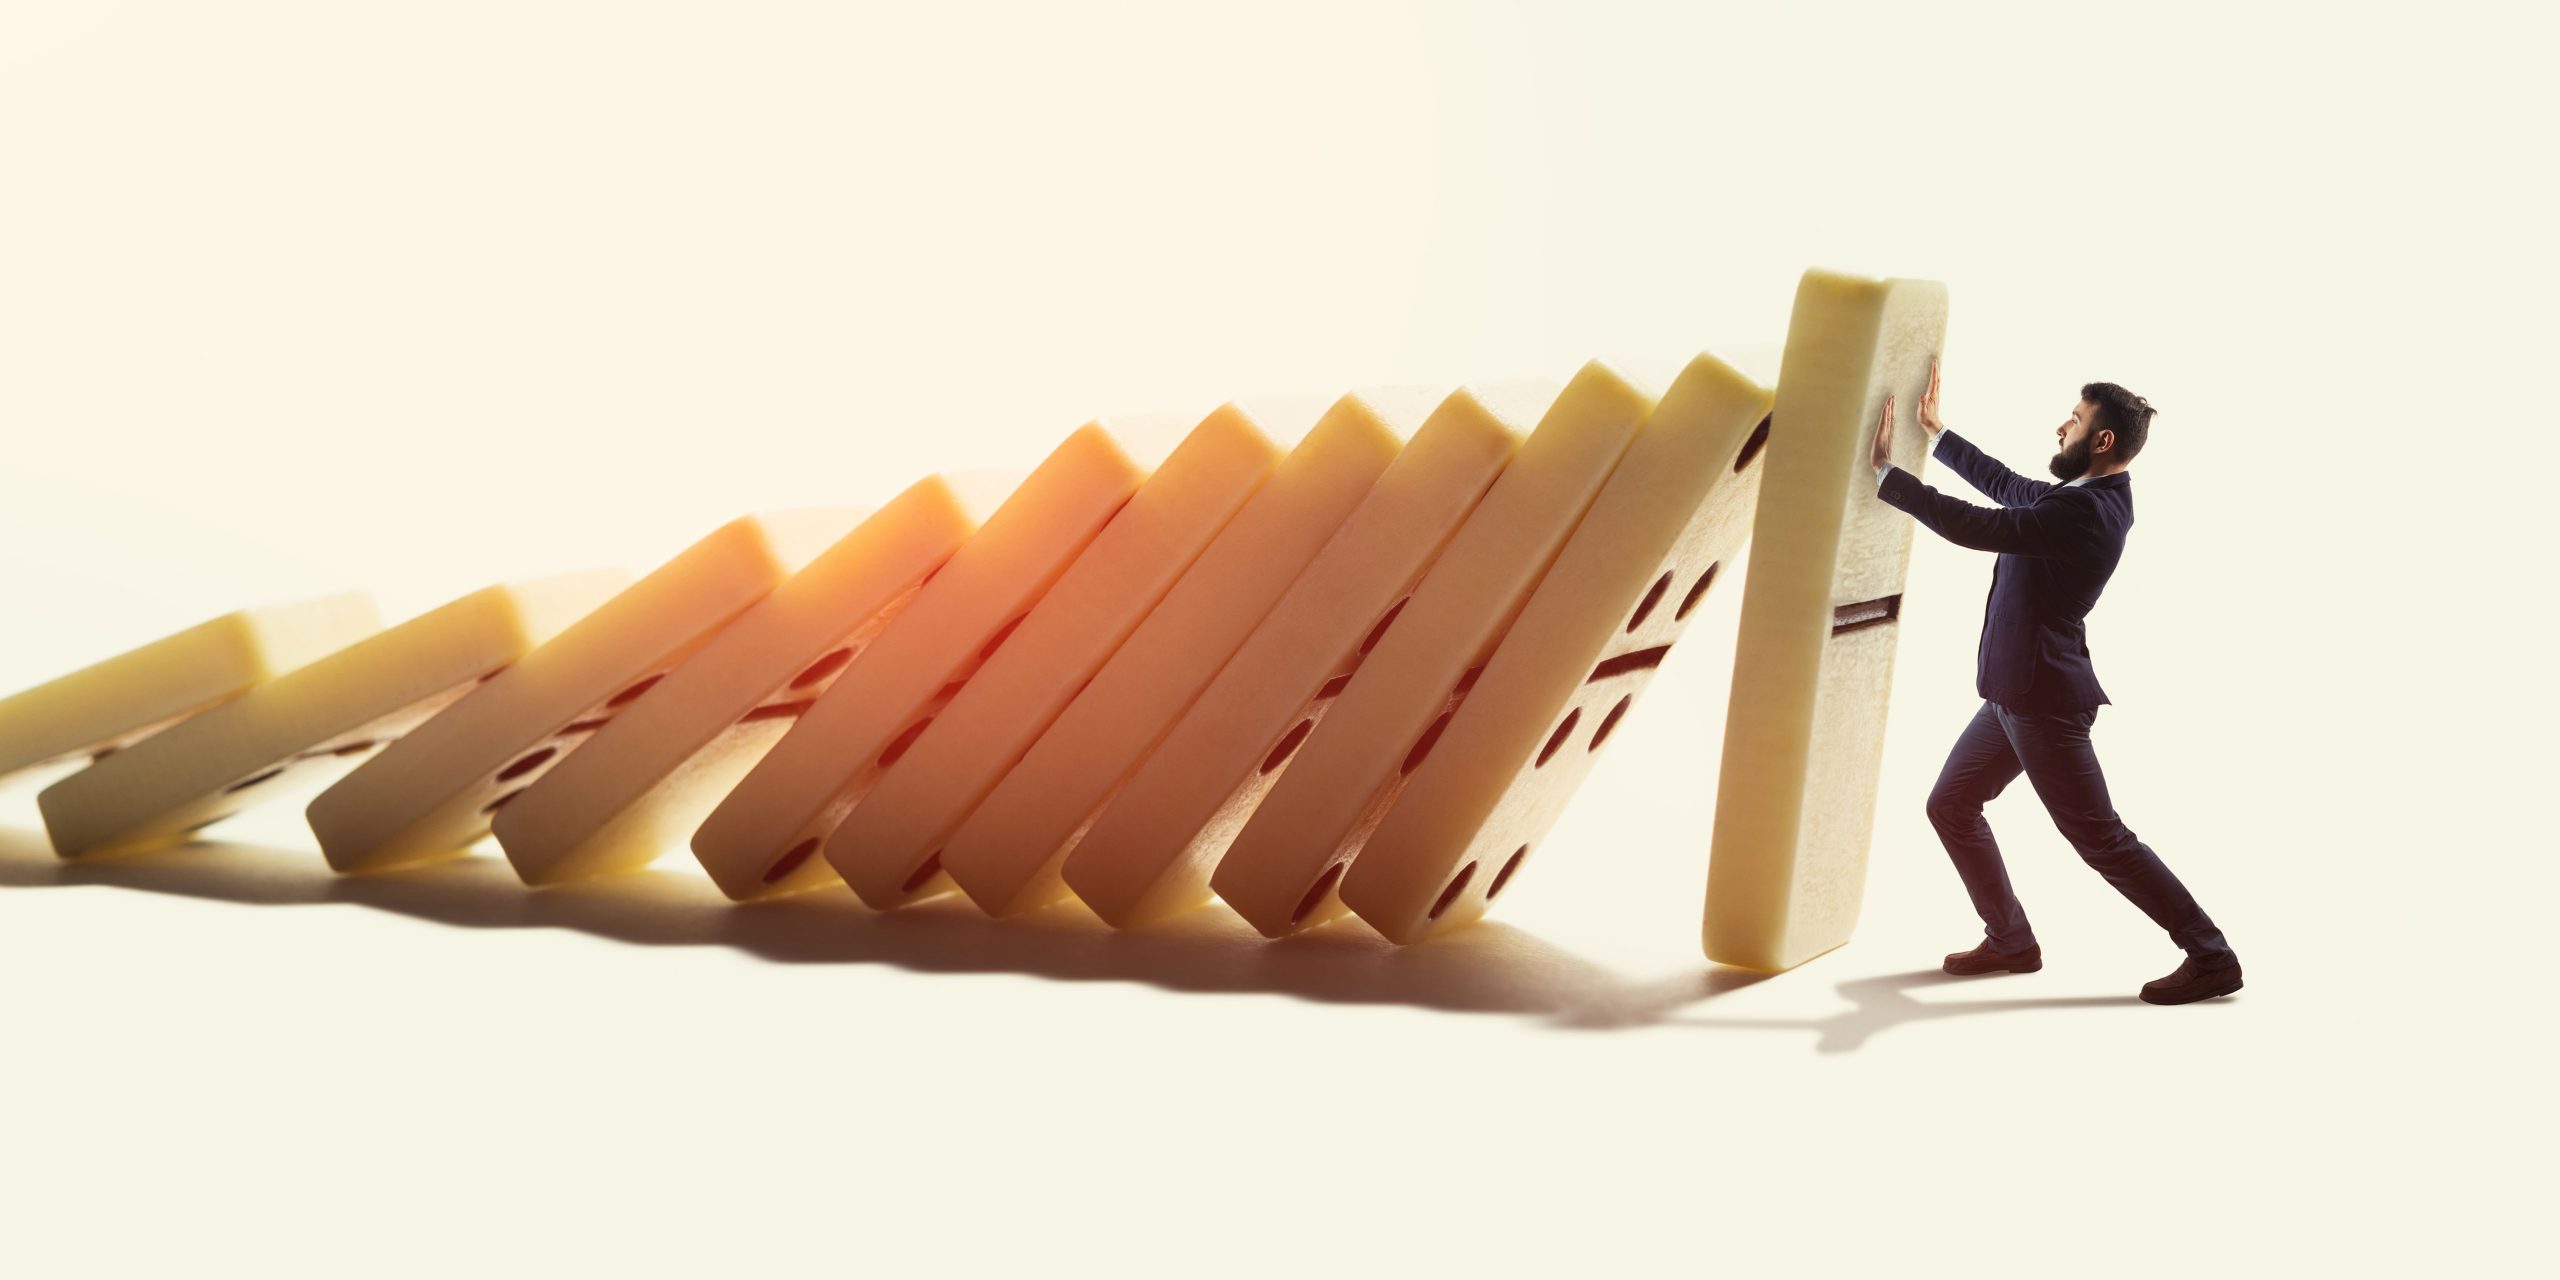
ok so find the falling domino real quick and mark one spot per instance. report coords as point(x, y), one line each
point(763, 837)
point(430, 794)
point(1813, 663)
point(122, 700)
point(1149, 852)
point(889, 846)
point(1583, 648)
point(645, 781)
point(1362, 674)
point(1006, 856)
point(1283, 872)
point(313, 720)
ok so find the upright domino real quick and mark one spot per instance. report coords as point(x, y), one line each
point(1284, 871)
point(124, 699)
point(889, 846)
point(1149, 852)
point(645, 781)
point(1813, 663)
point(311, 720)
point(1564, 676)
point(431, 793)
point(1006, 855)
point(764, 836)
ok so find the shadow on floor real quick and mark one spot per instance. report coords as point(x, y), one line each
point(1883, 1002)
point(1488, 967)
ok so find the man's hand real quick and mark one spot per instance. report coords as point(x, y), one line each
point(1883, 452)
point(1929, 403)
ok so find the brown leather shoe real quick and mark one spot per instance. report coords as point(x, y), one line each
point(2192, 982)
point(1982, 959)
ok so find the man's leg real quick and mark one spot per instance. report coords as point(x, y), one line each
point(2063, 768)
point(1979, 767)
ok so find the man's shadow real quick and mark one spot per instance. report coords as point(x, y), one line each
point(1488, 967)
point(1885, 1001)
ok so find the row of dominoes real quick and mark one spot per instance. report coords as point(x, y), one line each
point(1355, 659)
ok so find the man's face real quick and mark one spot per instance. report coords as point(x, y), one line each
point(2078, 442)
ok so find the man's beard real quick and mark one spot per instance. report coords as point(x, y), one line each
point(2071, 463)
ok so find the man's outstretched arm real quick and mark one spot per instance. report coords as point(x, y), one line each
point(2059, 529)
point(1984, 472)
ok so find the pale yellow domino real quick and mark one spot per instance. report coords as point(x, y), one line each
point(1813, 663)
point(1007, 854)
point(430, 793)
point(889, 846)
point(763, 837)
point(1149, 852)
point(1617, 598)
point(1284, 871)
point(645, 781)
point(313, 720)
point(126, 698)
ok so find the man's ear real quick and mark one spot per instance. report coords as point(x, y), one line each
point(2106, 441)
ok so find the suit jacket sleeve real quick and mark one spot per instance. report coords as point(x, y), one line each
point(1985, 473)
point(2060, 529)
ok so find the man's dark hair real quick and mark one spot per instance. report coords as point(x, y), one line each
point(2122, 412)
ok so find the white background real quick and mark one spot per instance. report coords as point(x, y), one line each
point(300, 297)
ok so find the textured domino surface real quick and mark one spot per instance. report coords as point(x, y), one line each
point(123, 699)
point(430, 794)
point(1583, 648)
point(315, 719)
point(763, 837)
point(1149, 852)
point(1006, 856)
point(1813, 663)
point(646, 780)
point(889, 846)
point(1283, 873)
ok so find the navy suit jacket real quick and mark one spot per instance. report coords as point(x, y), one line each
point(2058, 545)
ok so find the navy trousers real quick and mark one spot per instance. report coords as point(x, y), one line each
point(2052, 748)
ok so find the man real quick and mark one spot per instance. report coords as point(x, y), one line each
point(2058, 544)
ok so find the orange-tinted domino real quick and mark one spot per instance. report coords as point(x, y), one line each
point(1149, 852)
point(1007, 854)
point(763, 837)
point(889, 846)
point(645, 781)
point(1284, 870)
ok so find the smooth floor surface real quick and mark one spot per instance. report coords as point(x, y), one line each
point(409, 1062)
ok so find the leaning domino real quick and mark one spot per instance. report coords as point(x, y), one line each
point(1813, 664)
point(646, 780)
point(1284, 870)
point(763, 838)
point(1149, 852)
point(1006, 857)
point(312, 720)
point(431, 793)
point(124, 699)
point(889, 846)
point(1600, 623)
